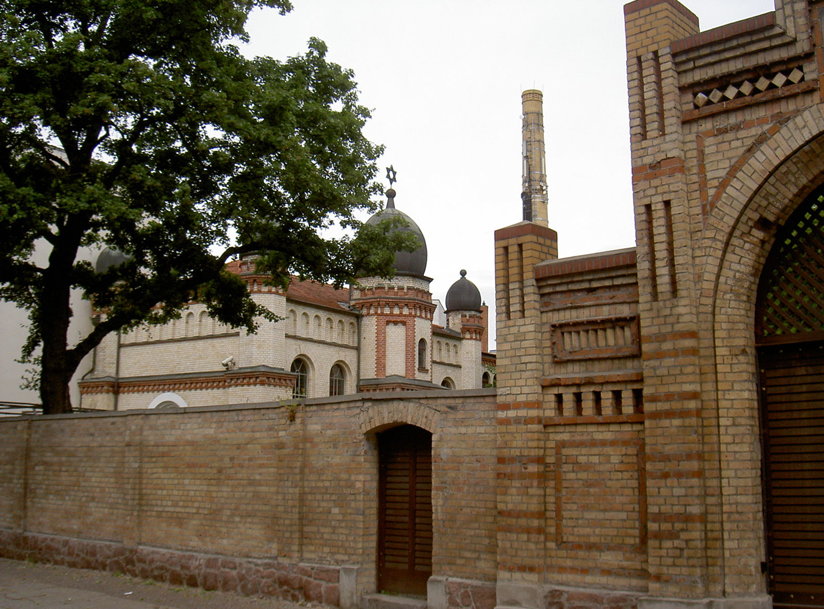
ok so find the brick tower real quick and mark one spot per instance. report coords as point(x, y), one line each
point(518, 248)
point(395, 312)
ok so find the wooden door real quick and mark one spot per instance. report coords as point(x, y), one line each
point(405, 510)
point(793, 416)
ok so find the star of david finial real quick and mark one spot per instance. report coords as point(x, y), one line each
point(391, 175)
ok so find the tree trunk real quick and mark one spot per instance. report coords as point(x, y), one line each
point(53, 323)
point(54, 364)
point(54, 388)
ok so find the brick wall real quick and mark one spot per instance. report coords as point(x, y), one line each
point(628, 418)
point(265, 499)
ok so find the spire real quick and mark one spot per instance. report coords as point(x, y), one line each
point(534, 192)
point(392, 176)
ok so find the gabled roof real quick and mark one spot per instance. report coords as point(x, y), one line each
point(302, 291)
point(322, 294)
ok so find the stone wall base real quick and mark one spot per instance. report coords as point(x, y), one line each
point(521, 596)
point(248, 576)
point(762, 601)
point(457, 593)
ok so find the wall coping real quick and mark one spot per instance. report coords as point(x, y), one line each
point(587, 262)
point(377, 396)
point(749, 25)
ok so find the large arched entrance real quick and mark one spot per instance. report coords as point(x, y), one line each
point(405, 510)
point(790, 339)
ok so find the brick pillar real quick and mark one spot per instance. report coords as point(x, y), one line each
point(520, 432)
point(676, 480)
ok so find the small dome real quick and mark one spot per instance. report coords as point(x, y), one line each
point(463, 295)
point(406, 263)
point(108, 258)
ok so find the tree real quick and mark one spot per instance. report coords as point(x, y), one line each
point(138, 125)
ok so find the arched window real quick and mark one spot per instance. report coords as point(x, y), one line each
point(422, 354)
point(204, 323)
point(168, 400)
point(337, 380)
point(448, 383)
point(486, 380)
point(301, 369)
point(188, 323)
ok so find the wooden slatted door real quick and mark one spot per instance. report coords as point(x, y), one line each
point(793, 417)
point(405, 510)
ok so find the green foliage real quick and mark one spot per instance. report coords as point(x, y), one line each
point(138, 125)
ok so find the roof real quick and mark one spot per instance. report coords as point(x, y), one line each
point(441, 330)
point(313, 292)
point(304, 291)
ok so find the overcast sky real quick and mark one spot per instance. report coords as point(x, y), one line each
point(443, 79)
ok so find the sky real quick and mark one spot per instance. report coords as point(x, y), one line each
point(443, 79)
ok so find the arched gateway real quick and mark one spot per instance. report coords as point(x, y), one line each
point(790, 340)
point(405, 510)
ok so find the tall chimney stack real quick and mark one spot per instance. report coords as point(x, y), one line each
point(534, 193)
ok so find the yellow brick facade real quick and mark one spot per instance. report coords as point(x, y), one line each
point(618, 464)
point(628, 380)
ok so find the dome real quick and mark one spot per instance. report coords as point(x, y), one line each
point(463, 295)
point(108, 258)
point(406, 263)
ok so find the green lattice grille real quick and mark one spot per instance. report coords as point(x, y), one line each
point(792, 294)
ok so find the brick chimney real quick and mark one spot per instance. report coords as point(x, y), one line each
point(534, 194)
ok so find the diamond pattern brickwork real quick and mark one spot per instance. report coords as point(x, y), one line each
point(748, 88)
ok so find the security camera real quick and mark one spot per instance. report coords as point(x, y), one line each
point(229, 363)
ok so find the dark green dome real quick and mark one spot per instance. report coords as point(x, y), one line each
point(463, 295)
point(406, 263)
point(108, 258)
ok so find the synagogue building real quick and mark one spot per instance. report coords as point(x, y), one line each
point(654, 439)
point(381, 335)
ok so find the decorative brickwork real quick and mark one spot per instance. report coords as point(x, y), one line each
point(628, 380)
point(220, 380)
point(595, 339)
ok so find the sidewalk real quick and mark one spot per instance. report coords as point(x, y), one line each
point(26, 585)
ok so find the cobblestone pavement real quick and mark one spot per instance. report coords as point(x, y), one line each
point(25, 585)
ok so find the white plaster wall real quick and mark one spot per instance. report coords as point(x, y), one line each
point(14, 329)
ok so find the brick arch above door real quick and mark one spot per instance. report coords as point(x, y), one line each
point(383, 414)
